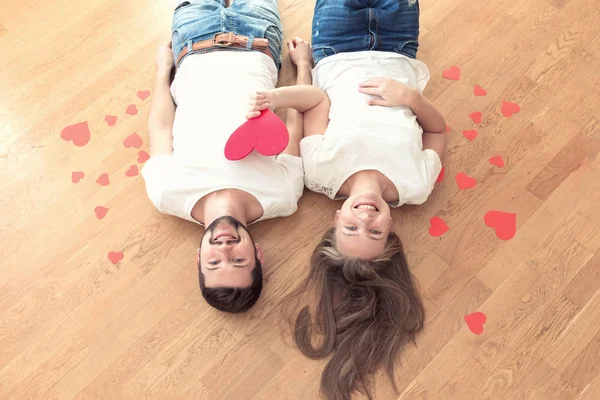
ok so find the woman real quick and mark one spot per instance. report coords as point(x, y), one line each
point(381, 147)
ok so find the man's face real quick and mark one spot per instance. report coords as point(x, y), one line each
point(227, 254)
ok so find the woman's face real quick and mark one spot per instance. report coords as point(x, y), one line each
point(362, 226)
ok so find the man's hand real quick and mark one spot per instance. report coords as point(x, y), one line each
point(391, 92)
point(164, 58)
point(259, 101)
point(300, 52)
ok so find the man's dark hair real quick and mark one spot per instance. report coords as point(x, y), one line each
point(233, 299)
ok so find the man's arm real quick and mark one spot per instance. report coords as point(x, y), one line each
point(295, 120)
point(162, 108)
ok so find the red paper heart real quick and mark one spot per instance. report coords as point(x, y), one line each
point(475, 322)
point(437, 227)
point(266, 133)
point(79, 134)
point(476, 116)
point(132, 171)
point(448, 128)
point(470, 134)
point(504, 223)
point(131, 109)
point(100, 212)
point(110, 120)
point(143, 157)
point(508, 109)
point(464, 181)
point(77, 176)
point(103, 180)
point(452, 73)
point(133, 140)
point(497, 161)
point(440, 176)
point(143, 94)
point(115, 257)
point(479, 91)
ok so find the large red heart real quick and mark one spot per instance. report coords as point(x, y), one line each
point(470, 134)
point(476, 116)
point(100, 212)
point(475, 322)
point(115, 257)
point(103, 180)
point(497, 161)
point(479, 91)
point(508, 108)
point(77, 176)
point(79, 134)
point(440, 176)
point(143, 157)
point(504, 223)
point(110, 120)
point(464, 181)
point(131, 109)
point(452, 73)
point(143, 94)
point(437, 227)
point(265, 133)
point(133, 140)
point(132, 171)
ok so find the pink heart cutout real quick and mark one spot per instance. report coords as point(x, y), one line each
point(131, 109)
point(133, 140)
point(479, 91)
point(111, 120)
point(475, 322)
point(452, 73)
point(77, 176)
point(505, 224)
point(508, 108)
point(132, 171)
point(79, 134)
point(143, 94)
point(266, 133)
point(440, 176)
point(464, 181)
point(476, 116)
point(437, 227)
point(115, 257)
point(143, 157)
point(497, 161)
point(470, 134)
point(100, 212)
point(103, 180)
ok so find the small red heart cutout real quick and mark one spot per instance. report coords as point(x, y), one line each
point(110, 120)
point(131, 109)
point(265, 133)
point(452, 73)
point(505, 224)
point(115, 257)
point(437, 227)
point(100, 212)
point(103, 180)
point(143, 157)
point(497, 161)
point(440, 176)
point(133, 140)
point(132, 171)
point(476, 116)
point(77, 176)
point(475, 322)
point(508, 108)
point(143, 94)
point(448, 128)
point(79, 134)
point(470, 134)
point(464, 181)
point(479, 91)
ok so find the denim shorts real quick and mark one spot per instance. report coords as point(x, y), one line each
point(342, 26)
point(198, 20)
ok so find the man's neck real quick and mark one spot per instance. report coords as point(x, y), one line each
point(224, 203)
point(365, 181)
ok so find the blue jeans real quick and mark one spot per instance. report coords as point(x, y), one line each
point(198, 20)
point(342, 26)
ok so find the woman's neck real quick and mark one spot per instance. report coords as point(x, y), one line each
point(365, 181)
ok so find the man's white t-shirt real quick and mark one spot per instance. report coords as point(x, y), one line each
point(363, 137)
point(212, 91)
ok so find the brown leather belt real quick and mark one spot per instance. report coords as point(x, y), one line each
point(227, 40)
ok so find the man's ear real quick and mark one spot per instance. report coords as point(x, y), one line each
point(259, 253)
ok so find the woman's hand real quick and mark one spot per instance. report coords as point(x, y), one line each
point(300, 52)
point(259, 101)
point(390, 92)
point(164, 58)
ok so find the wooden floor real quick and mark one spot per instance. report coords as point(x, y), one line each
point(73, 325)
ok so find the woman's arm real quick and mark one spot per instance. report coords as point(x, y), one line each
point(162, 108)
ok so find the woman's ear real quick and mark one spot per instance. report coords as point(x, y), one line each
point(335, 219)
point(198, 258)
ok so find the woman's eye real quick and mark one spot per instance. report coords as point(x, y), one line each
point(213, 262)
point(375, 231)
point(351, 228)
point(238, 260)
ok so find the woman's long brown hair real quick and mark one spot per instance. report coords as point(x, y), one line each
point(361, 312)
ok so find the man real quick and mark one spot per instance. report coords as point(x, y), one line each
point(222, 54)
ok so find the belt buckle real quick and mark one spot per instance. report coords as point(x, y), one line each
point(224, 43)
